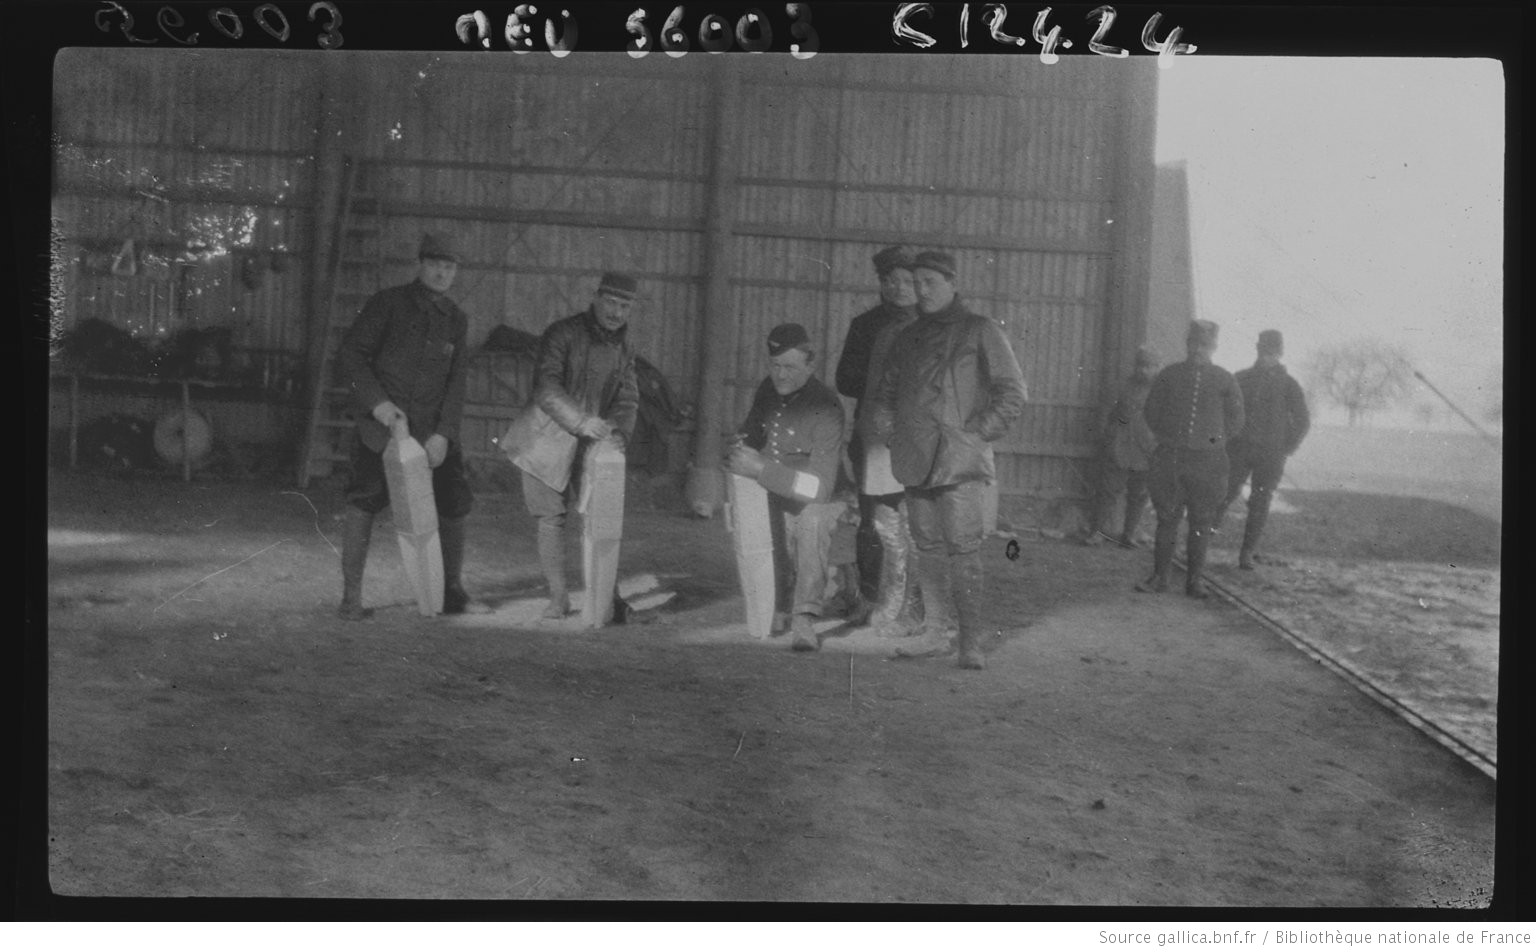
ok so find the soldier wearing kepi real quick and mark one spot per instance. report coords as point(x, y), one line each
point(882, 541)
point(1124, 455)
point(404, 358)
point(951, 388)
point(791, 443)
point(585, 381)
point(1277, 422)
point(1194, 408)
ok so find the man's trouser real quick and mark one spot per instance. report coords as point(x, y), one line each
point(548, 506)
point(802, 541)
point(367, 495)
point(1112, 481)
point(947, 532)
point(1180, 481)
point(1265, 466)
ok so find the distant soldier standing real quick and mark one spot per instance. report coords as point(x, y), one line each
point(952, 386)
point(883, 542)
point(1277, 422)
point(1125, 453)
point(404, 358)
point(1193, 408)
point(792, 443)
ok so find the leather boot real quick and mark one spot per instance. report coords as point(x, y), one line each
point(1162, 558)
point(938, 631)
point(1135, 506)
point(804, 635)
point(357, 530)
point(1098, 515)
point(969, 580)
point(1251, 532)
point(456, 601)
point(1194, 563)
point(896, 545)
point(552, 561)
point(870, 550)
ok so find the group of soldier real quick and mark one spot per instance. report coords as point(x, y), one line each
point(934, 385)
point(1191, 437)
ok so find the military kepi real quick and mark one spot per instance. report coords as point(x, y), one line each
point(889, 259)
point(1203, 333)
point(435, 244)
point(1270, 342)
point(941, 261)
point(621, 286)
point(787, 336)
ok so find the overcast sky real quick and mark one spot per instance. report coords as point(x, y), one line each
point(1336, 198)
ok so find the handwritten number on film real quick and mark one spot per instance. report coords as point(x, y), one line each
point(226, 21)
point(752, 32)
point(1048, 37)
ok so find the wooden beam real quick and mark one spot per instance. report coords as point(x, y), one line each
point(745, 229)
point(706, 478)
point(1135, 175)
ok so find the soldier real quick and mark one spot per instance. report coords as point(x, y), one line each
point(585, 382)
point(951, 387)
point(882, 540)
point(1193, 408)
point(1124, 455)
point(791, 443)
point(1276, 411)
point(404, 358)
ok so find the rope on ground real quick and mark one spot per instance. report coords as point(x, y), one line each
point(212, 574)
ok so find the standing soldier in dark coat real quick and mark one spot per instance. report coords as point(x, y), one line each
point(1194, 408)
point(951, 387)
point(792, 443)
point(1125, 453)
point(585, 381)
point(882, 542)
point(404, 358)
point(1276, 411)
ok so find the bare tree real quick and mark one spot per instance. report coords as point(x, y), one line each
point(1362, 376)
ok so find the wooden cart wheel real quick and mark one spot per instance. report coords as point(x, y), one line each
point(183, 436)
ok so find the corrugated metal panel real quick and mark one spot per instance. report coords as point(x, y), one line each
point(549, 172)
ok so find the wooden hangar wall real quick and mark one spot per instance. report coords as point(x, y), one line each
point(759, 183)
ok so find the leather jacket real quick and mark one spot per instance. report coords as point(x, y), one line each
point(951, 387)
point(573, 354)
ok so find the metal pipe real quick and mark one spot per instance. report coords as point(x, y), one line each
point(1492, 441)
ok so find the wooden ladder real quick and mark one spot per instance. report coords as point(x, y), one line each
point(356, 272)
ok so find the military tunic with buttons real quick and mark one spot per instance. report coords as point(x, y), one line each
point(407, 346)
point(800, 437)
point(1193, 408)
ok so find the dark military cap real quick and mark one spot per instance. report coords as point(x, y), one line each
point(1270, 342)
point(941, 261)
point(788, 336)
point(435, 244)
point(618, 285)
point(889, 259)
point(1203, 333)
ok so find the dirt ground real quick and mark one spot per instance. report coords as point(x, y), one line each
point(214, 730)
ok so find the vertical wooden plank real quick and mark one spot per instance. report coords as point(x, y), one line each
point(705, 488)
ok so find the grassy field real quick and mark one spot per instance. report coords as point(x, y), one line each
point(1461, 469)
